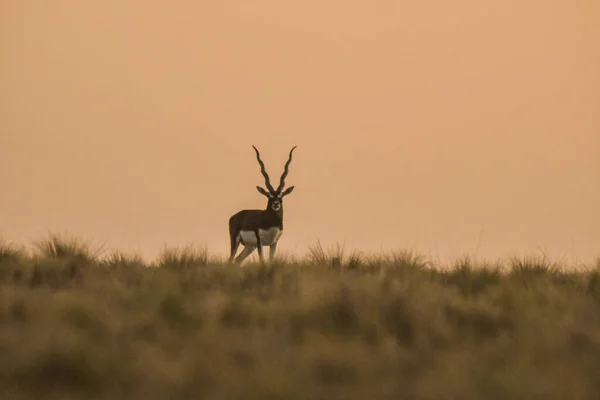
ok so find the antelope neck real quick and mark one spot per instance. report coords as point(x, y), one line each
point(278, 213)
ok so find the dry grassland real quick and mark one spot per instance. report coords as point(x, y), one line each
point(79, 325)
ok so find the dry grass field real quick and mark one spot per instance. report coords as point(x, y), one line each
point(76, 324)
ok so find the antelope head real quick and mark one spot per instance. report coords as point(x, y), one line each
point(275, 196)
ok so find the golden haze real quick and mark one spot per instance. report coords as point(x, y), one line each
point(446, 127)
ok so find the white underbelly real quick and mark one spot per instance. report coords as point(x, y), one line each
point(267, 236)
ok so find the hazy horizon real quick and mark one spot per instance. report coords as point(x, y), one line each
point(447, 128)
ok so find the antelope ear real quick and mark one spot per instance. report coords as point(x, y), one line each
point(287, 191)
point(262, 191)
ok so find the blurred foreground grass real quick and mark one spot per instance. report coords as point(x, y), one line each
point(77, 324)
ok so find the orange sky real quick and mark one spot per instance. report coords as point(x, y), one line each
point(445, 127)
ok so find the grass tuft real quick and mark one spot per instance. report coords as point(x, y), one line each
point(11, 251)
point(118, 258)
point(183, 257)
point(336, 256)
point(407, 259)
point(533, 265)
point(63, 246)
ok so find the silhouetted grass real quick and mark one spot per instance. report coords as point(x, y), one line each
point(116, 258)
point(182, 257)
point(10, 251)
point(80, 324)
point(335, 257)
point(67, 247)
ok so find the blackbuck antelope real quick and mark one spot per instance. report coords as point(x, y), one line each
point(257, 228)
